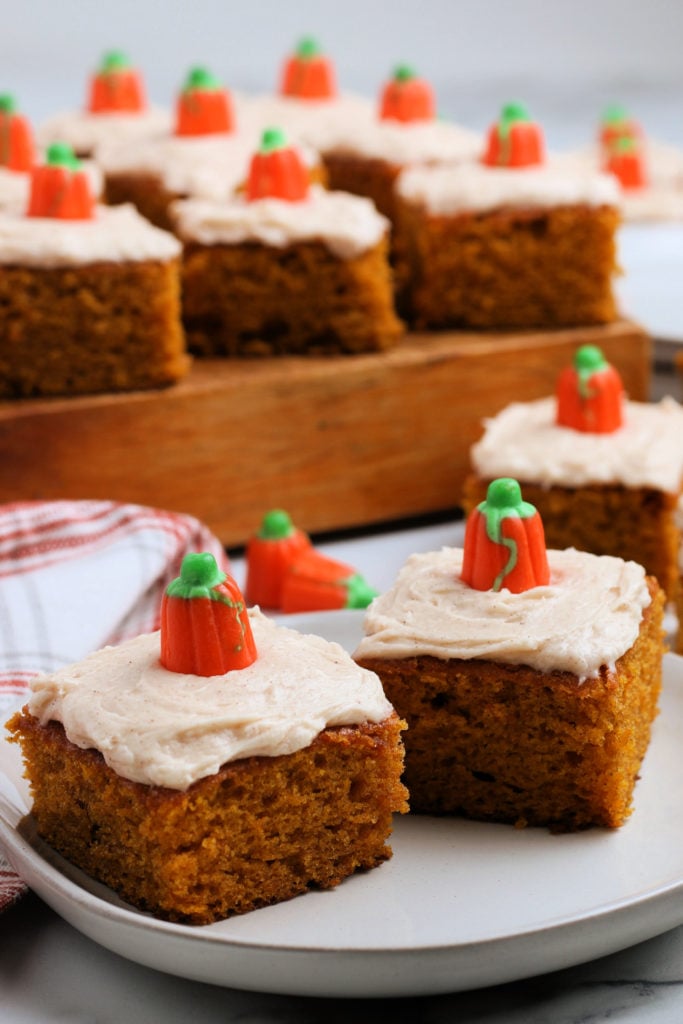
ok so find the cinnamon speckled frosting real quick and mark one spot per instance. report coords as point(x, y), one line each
point(168, 729)
point(115, 234)
point(588, 616)
point(445, 191)
point(523, 441)
point(347, 224)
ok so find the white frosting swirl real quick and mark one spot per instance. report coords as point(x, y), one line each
point(85, 131)
point(661, 199)
point(588, 616)
point(116, 234)
point(301, 118)
point(167, 729)
point(475, 187)
point(207, 166)
point(396, 142)
point(524, 442)
point(348, 225)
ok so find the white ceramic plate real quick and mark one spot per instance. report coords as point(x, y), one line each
point(461, 904)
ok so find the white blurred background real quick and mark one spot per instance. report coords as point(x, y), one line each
point(565, 58)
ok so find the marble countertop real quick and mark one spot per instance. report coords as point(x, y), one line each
point(49, 972)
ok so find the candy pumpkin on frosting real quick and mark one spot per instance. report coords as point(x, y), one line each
point(514, 140)
point(407, 98)
point(504, 542)
point(277, 171)
point(116, 87)
point(205, 629)
point(308, 74)
point(590, 394)
point(60, 188)
point(17, 148)
point(204, 106)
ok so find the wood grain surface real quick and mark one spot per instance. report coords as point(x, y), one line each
point(338, 442)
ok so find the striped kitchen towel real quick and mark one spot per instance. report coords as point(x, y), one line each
point(75, 576)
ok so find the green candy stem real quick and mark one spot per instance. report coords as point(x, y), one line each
point(199, 574)
point(359, 593)
point(276, 525)
point(587, 361)
point(614, 114)
point(8, 104)
point(308, 48)
point(200, 78)
point(114, 60)
point(404, 73)
point(504, 499)
point(512, 113)
point(60, 154)
point(272, 140)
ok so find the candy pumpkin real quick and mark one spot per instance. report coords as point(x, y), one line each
point(60, 188)
point(615, 124)
point(625, 159)
point(407, 98)
point(205, 629)
point(17, 148)
point(203, 107)
point(504, 542)
point(116, 87)
point(308, 74)
point(515, 140)
point(316, 582)
point(270, 553)
point(590, 394)
point(277, 171)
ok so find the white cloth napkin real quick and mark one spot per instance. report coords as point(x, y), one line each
point(76, 576)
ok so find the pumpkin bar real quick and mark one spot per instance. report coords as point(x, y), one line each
point(605, 473)
point(509, 241)
point(116, 108)
point(287, 779)
point(529, 679)
point(285, 267)
point(89, 295)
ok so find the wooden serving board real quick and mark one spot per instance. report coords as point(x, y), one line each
point(338, 442)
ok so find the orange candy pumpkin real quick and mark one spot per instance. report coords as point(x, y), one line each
point(277, 170)
point(116, 87)
point(617, 124)
point(407, 98)
point(590, 394)
point(59, 188)
point(308, 74)
point(269, 556)
point(505, 542)
point(205, 628)
point(204, 107)
point(515, 140)
point(17, 148)
point(316, 582)
point(626, 161)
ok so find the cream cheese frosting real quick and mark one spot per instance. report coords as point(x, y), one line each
point(395, 142)
point(207, 166)
point(588, 616)
point(661, 199)
point(471, 186)
point(116, 234)
point(85, 131)
point(298, 117)
point(167, 729)
point(347, 224)
point(524, 442)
